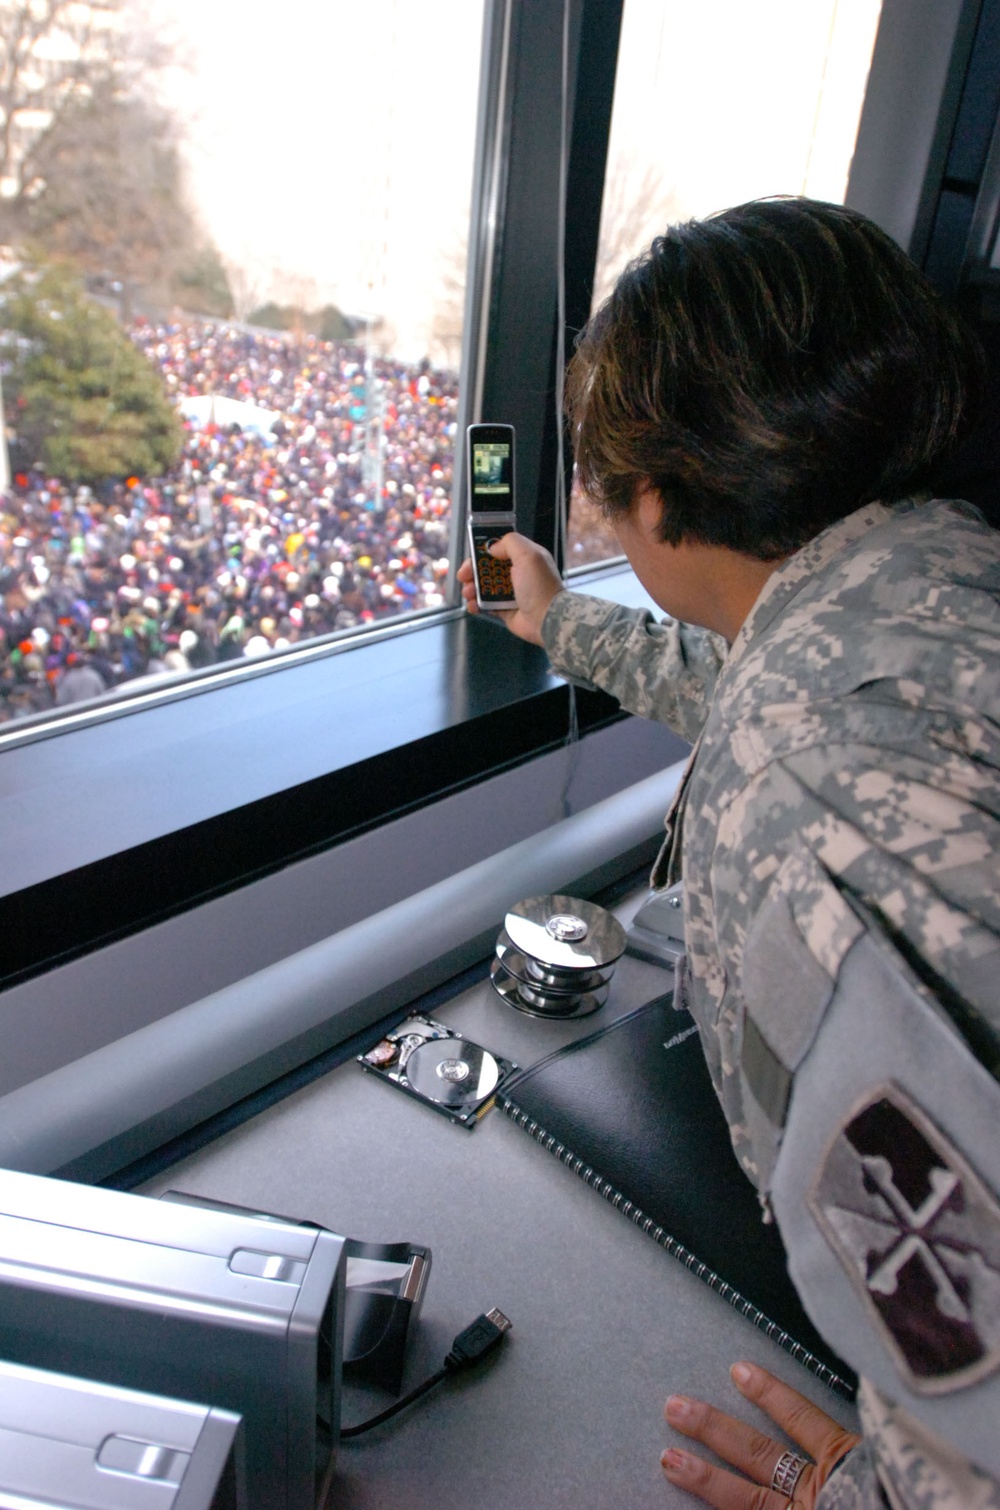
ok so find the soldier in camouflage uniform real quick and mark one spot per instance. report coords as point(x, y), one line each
point(756, 408)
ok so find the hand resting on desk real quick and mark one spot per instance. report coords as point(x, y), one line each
point(753, 1452)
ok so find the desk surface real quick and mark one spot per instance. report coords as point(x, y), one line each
point(605, 1323)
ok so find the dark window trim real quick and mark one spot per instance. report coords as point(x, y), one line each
point(511, 376)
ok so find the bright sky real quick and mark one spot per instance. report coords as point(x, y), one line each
point(333, 141)
point(729, 100)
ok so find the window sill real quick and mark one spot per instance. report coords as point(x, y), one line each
point(117, 824)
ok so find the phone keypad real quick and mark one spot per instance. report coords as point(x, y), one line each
point(494, 578)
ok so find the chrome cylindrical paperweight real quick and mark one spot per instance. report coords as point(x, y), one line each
point(555, 956)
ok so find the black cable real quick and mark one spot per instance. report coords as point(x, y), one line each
point(468, 1347)
point(385, 1415)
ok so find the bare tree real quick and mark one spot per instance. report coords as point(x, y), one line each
point(639, 202)
point(113, 200)
point(300, 293)
point(89, 163)
point(54, 55)
point(379, 335)
point(248, 288)
point(449, 306)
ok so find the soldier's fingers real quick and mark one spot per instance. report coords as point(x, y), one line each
point(516, 548)
point(749, 1450)
point(724, 1490)
point(816, 1432)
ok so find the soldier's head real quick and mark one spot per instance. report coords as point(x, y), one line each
point(766, 372)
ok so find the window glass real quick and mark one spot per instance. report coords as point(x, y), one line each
point(231, 285)
point(715, 104)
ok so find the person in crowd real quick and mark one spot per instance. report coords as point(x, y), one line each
point(79, 682)
point(759, 408)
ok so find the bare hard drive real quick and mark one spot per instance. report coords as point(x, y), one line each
point(438, 1066)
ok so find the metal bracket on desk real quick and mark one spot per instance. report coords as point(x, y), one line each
point(657, 931)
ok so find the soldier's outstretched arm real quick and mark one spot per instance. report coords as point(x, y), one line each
point(664, 671)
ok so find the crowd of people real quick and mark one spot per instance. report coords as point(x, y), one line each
point(330, 513)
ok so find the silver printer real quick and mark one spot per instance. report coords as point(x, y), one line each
point(71, 1444)
point(197, 1304)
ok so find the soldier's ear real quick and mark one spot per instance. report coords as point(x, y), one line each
point(647, 509)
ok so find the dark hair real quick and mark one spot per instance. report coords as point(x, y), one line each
point(768, 371)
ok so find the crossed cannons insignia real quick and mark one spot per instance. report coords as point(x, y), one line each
point(918, 1232)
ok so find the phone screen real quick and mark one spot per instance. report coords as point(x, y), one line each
point(492, 473)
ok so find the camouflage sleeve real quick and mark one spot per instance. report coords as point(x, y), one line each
point(920, 843)
point(664, 671)
point(855, 1484)
point(916, 1476)
point(839, 1035)
point(919, 1470)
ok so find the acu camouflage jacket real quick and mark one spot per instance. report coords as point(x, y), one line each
point(847, 751)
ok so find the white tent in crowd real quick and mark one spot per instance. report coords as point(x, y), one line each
point(214, 409)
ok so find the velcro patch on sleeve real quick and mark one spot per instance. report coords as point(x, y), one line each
point(918, 1234)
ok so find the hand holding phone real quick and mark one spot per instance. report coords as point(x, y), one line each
point(494, 587)
point(490, 469)
point(537, 583)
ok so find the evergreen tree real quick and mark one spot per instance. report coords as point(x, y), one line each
point(82, 400)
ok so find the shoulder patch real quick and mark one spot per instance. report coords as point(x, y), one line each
point(918, 1234)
